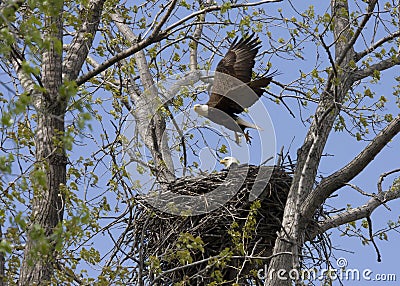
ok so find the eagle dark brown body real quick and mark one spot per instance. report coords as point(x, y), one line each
point(234, 90)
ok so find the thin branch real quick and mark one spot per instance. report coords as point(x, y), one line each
point(382, 177)
point(218, 257)
point(329, 55)
point(216, 8)
point(376, 45)
point(188, 265)
point(381, 66)
point(171, 8)
point(358, 213)
point(281, 99)
point(358, 189)
point(371, 238)
point(338, 179)
point(182, 137)
point(122, 55)
point(2, 263)
point(156, 36)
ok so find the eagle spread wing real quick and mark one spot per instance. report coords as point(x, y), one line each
point(232, 96)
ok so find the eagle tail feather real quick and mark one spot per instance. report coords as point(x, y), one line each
point(261, 82)
point(242, 122)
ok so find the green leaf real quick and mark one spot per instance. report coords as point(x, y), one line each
point(376, 75)
point(364, 223)
point(223, 149)
point(226, 7)
point(5, 247)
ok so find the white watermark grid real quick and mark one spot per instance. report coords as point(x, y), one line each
point(342, 273)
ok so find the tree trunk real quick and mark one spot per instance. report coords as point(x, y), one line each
point(47, 203)
point(292, 235)
point(150, 123)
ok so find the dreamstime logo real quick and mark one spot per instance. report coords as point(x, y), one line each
point(341, 262)
point(185, 124)
point(342, 273)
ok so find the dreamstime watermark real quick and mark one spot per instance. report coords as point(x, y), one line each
point(184, 123)
point(342, 273)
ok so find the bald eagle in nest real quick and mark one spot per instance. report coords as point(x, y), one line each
point(230, 162)
point(230, 97)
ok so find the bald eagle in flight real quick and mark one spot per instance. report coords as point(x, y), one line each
point(230, 95)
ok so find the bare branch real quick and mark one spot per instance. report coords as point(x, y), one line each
point(383, 176)
point(216, 8)
point(164, 19)
point(358, 189)
point(151, 129)
point(122, 55)
point(376, 45)
point(371, 238)
point(195, 39)
point(360, 212)
point(381, 66)
point(156, 36)
point(329, 55)
point(338, 179)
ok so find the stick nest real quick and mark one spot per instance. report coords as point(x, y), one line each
point(225, 244)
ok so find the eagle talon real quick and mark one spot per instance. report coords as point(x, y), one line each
point(248, 137)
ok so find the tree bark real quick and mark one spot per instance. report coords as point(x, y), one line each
point(47, 203)
point(357, 213)
point(292, 235)
point(339, 178)
point(79, 47)
point(149, 121)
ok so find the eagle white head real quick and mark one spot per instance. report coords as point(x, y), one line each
point(230, 162)
point(201, 109)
